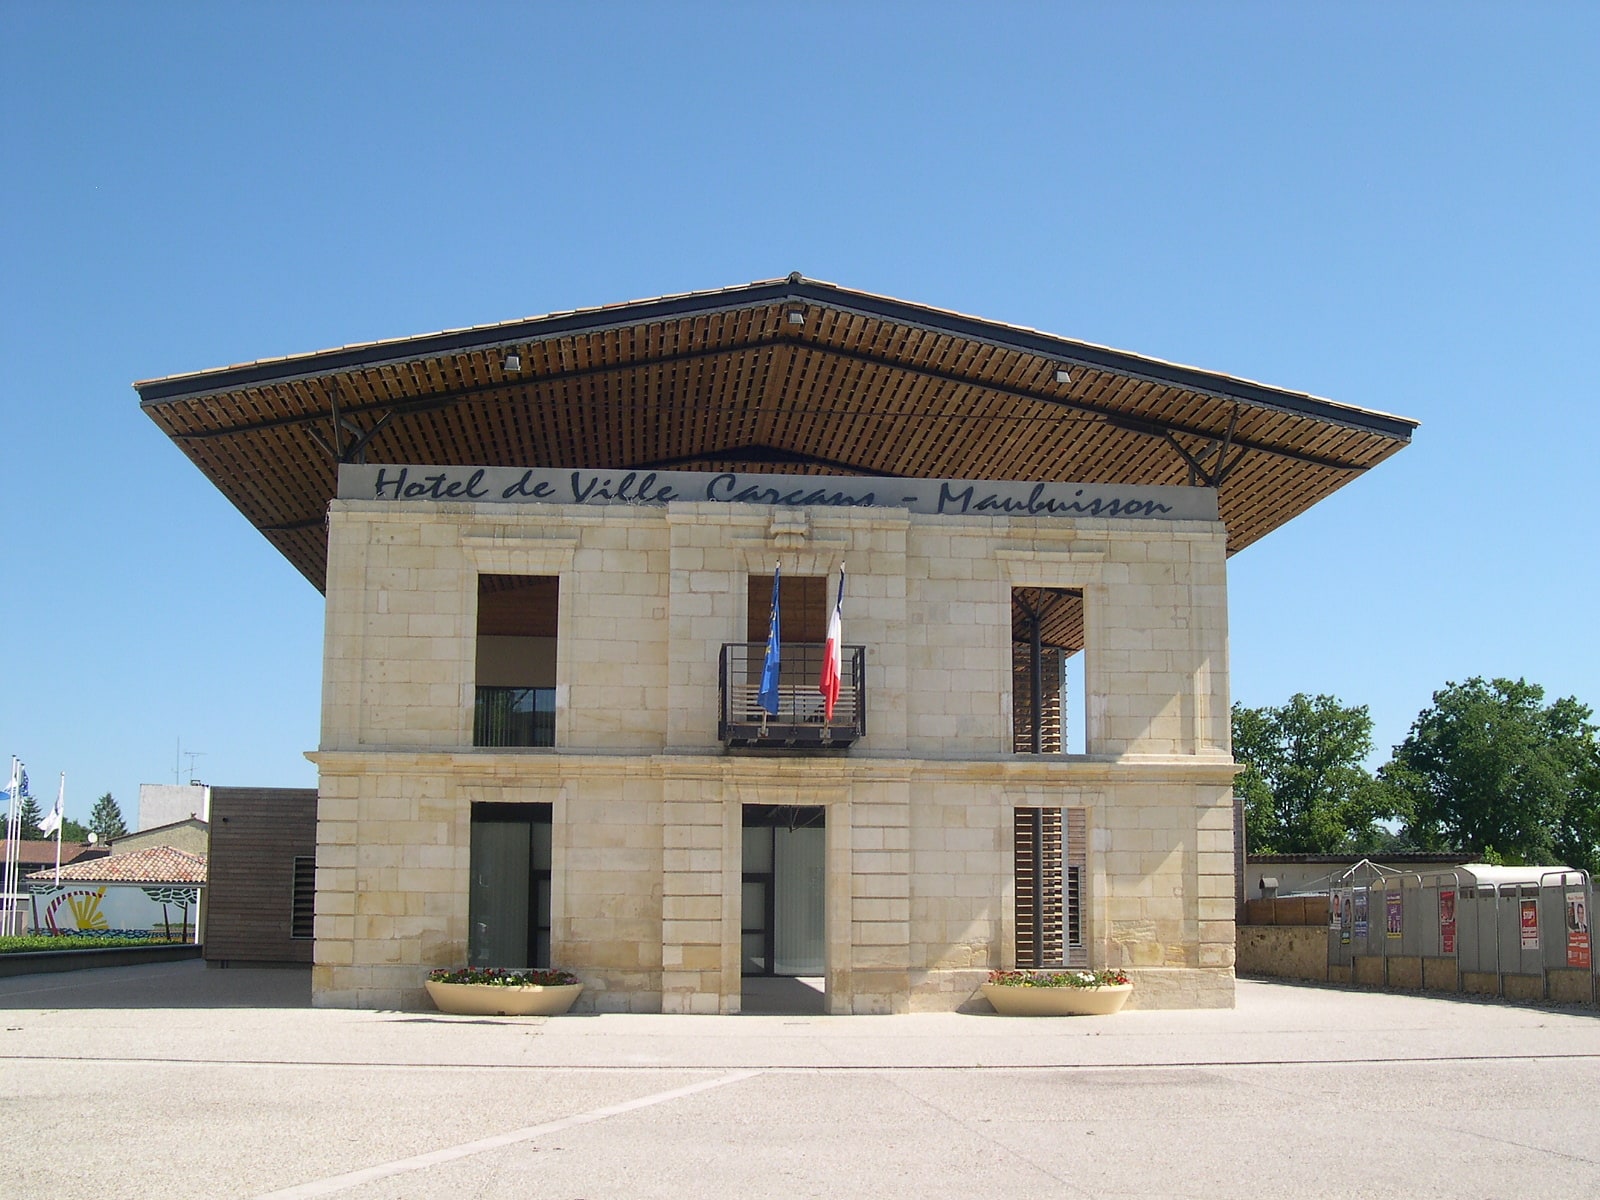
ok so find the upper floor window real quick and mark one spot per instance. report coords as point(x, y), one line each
point(516, 661)
point(1046, 634)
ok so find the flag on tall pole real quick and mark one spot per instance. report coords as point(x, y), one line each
point(832, 662)
point(770, 666)
point(53, 821)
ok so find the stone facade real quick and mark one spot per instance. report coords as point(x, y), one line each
point(646, 803)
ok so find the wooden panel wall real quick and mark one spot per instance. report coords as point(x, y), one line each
point(256, 834)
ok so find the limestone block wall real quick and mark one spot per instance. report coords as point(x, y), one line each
point(646, 803)
point(649, 596)
point(401, 625)
point(646, 866)
point(1161, 862)
point(392, 862)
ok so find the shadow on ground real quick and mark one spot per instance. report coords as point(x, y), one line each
point(190, 984)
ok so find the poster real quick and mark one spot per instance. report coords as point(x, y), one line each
point(1530, 924)
point(1578, 931)
point(1341, 908)
point(1447, 921)
point(1392, 910)
point(1361, 913)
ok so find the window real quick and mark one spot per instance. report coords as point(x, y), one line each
point(1046, 632)
point(1048, 844)
point(515, 700)
point(803, 600)
point(302, 904)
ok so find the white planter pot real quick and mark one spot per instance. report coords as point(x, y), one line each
point(493, 1000)
point(1057, 1001)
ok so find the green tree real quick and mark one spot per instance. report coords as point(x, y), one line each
point(30, 816)
point(1304, 786)
point(106, 819)
point(71, 831)
point(1490, 769)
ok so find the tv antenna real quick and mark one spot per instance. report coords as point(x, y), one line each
point(177, 761)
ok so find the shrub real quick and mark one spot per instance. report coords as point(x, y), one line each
point(503, 976)
point(1110, 977)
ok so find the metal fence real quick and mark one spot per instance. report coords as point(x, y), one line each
point(1452, 929)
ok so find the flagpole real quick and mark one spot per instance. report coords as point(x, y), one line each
point(13, 827)
point(61, 819)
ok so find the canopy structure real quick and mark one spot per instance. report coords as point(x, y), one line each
point(790, 375)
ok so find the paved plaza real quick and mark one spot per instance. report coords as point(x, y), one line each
point(175, 1080)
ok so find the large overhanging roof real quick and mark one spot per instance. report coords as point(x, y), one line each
point(792, 376)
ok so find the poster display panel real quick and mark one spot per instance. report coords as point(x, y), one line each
point(1530, 923)
point(1392, 914)
point(1578, 952)
point(1447, 921)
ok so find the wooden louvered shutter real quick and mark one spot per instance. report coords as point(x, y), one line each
point(1050, 865)
point(1077, 835)
point(1039, 890)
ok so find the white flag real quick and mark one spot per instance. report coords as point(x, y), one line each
point(52, 819)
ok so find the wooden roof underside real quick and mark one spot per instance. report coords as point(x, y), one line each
point(727, 381)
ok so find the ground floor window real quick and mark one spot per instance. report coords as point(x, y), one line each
point(508, 900)
point(1049, 857)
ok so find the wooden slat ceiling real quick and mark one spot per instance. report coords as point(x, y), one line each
point(787, 376)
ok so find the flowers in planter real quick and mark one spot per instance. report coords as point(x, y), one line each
point(503, 977)
point(1109, 977)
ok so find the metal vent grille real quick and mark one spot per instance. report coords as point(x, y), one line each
point(302, 920)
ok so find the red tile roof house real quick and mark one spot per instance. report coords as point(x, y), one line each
point(154, 888)
point(36, 855)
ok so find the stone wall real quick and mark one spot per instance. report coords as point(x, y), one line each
point(646, 803)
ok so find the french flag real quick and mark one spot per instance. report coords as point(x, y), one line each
point(832, 663)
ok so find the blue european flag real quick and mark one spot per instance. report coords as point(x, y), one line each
point(768, 695)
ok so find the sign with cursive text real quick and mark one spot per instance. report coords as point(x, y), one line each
point(955, 497)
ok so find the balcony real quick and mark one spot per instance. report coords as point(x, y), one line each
point(799, 722)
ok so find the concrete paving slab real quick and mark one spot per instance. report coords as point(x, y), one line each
point(183, 1081)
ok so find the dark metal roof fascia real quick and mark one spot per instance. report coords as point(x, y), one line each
point(937, 321)
point(1120, 362)
point(379, 354)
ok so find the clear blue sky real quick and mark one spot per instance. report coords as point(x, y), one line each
point(1391, 206)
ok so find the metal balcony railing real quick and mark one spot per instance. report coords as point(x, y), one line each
point(799, 721)
point(514, 716)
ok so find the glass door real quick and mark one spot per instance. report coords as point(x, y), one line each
point(508, 900)
point(783, 890)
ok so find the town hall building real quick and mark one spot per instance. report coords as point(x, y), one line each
point(584, 574)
